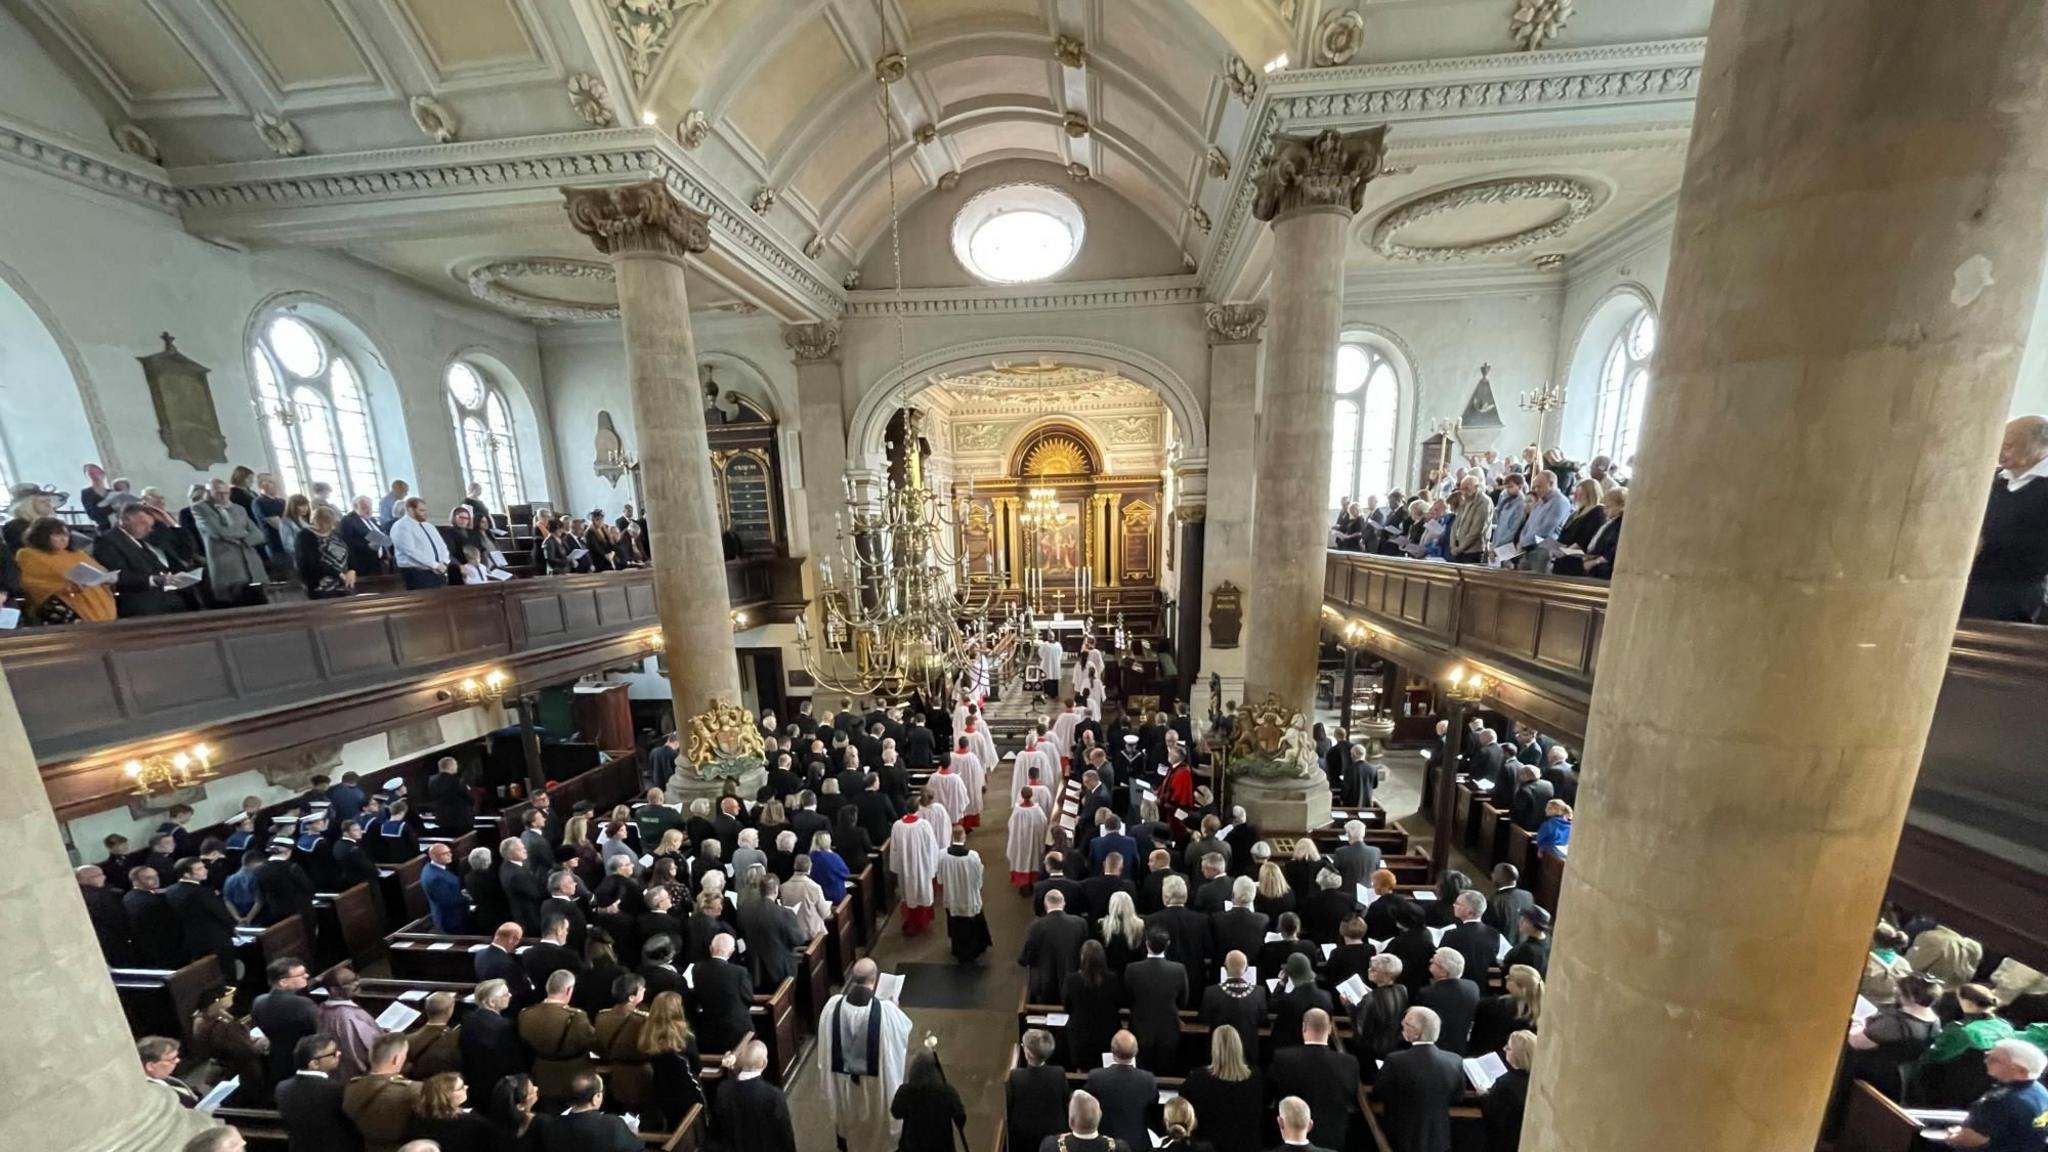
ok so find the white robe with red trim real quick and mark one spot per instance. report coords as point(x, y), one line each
point(914, 850)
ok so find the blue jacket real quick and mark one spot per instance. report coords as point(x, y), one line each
point(830, 873)
point(1120, 843)
point(347, 804)
point(1508, 514)
point(1554, 837)
point(445, 900)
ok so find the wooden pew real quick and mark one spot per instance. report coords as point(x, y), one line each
point(158, 1002)
point(263, 1129)
point(1872, 1123)
point(1491, 834)
point(865, 890)
point(396, 883)
point(288, 937)
point(776, 1026)
point(417, 953)
point(813, 981)
point(350, 928)
point(1549, 880)
point(1521, 849)
point(843, 938)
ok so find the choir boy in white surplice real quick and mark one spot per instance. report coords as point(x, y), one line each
point(949, 787)
point(1034, 755)
point(1063, 734)
point(862, 1044)
point(1049, 656)
point(980, 741)
point(1026, 850)
point(914, 848)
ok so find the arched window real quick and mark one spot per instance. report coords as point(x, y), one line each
point(1363, 424)
point(315, 416)
point(1624, 386)
point(483, 428)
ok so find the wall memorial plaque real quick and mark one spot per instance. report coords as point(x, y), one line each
point(1226, 615)
point(185, 418)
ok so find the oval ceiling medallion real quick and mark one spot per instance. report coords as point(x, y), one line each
point(1483, 219)
point(587, 295)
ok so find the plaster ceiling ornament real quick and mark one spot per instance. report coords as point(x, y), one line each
point(1079, 172)
point(1187, 261)
point(1329, 169)
point(1131, 429)
point(1338, 38)
point(1219, 164)
point(643, 29)
point(1234, 323)
point(280, 135)
point(1076, 125)
point(1576, 198)
point(1200, 216)
point(1036, 387)
point(851, 281)
point(1070, 51)
point(764, 199)
point(1243, 82)
point(737, 307)
point(488, 282)
point(977, 437)
point(587, 96)
point(891, 67)
point(1537, 22)
point(1550, 261)
point(926, 134)
point(434, 119)
point(815, 246)
point(1057, 456)
point(644, 217)
point(948, 181)
point(130, 138)
point(694, 128)
point(812, 342)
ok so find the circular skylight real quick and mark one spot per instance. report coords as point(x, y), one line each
point(1017, 233)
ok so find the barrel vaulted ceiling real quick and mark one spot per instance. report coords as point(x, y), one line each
point(427, 136)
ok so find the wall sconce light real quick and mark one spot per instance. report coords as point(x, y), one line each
point(657, 640)
point(168, 772)
point(739, 621)
point(1468, 686)
point(492, 687)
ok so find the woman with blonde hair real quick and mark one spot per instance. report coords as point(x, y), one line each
point(438, 1115)
point(322, 556)
point(1598, 562)
point(1516, 1010)
point(1228, 1095)
point(1586, 518)
point(1276, 895)
point(1304, 867)
point(1180, 1127)
point(576, 842)
point(1501, 1107)
point(1123, 933)
point(671, 1051)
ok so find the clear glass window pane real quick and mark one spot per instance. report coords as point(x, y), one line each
point(1343, 451)
point(295, 346)
point(1022, 245)
point(315, 426)
point(476, 458)
point(352, 418)
point(464, 385)
point(1353, 363)
point(1642, 336)
point(1378, 431)
point(504, 452)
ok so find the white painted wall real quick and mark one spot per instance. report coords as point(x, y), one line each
point(106, 277)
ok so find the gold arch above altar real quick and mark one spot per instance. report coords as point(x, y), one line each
point(1104, 534)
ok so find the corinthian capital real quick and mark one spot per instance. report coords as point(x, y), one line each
point(1235, 323)
point(1327, 170)
point(643, 217)
point(812, 342)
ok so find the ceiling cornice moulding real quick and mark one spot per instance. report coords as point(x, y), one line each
point(1143, 293)
point(121, 177)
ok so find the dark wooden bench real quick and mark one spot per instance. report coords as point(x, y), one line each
point(160, 1002)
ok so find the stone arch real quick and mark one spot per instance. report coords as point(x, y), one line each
point(386, 398)
point(866, 450)
point(44, 341)
point(1602, 323)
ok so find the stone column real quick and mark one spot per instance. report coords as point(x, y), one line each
point(73, 1081)
point(647, 233)
point(1857, 257)
point(1226, 517)
point(1309, 189)
point(821, 433)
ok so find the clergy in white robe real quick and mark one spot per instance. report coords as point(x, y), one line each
point(960, 716)
point(862, 1044)
point(949, 787)
point(960, 881)
point(1062, 734)
point(1050, 654)
point(982, 744)
point(914, 858)
point(1026, 849)
point(1033, 756)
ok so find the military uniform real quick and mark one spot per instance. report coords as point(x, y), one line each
point(381, 1107)
point(432, 1049)
point(560, 1038)
point(628, 1079)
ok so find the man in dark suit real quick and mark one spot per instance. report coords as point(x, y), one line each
point(1212, 890)
point(1356, 860)
point(489, 1041)
point(1476, 940)
point(1239, 1002)
point(1035, 1095)
point(352, 862)
point(447, 905)
point(1052, 949)
point(1242, 836)
point(1112, 838)
point(1561, 776)
point(109, 918)
point(1126, 1093)
point(562, 901)
point(365, 540)
point(586, 1127)
point(498, 960)
point(1238, 928)
point(1489, 763)
point(724, 992)
point(1452, 997)
point(309, 1102)
point(142, 572)
point(2009, 577)
point(1187, 929)
point(1158, 866)
point(1418, 1086)
point(285, 1013)
point(1107, 882)
point(449, 799)
point(752, 1114)
point(1324, 1078)
point(1057, 880)
point(159, 935)
point(1532, 747)
point(1532, 793)
point(1158, 990)
point(1300, 995)
point(920, 746)
point(523, 892)
point(1295, 1120)
point(1323, 910)
point(550, 953)
point(876, 812)
point(207, 926)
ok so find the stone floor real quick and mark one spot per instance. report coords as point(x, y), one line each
point(975, 1042)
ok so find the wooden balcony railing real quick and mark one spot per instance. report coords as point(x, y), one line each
point(1972, 851)
point(260, 682)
